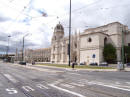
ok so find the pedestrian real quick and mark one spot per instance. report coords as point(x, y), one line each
point(73, 65)
point(33, 62)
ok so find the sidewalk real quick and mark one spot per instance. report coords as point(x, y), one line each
point(41, 68)
point(78, 69)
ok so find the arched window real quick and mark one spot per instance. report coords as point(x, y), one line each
point(75, 45)
point(105, 40)
point(89, 39)
point(54, 48)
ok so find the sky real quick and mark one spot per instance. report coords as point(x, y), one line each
point(35, 20)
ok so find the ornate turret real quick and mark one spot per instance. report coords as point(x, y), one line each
point(58, 32)
point(59, 29)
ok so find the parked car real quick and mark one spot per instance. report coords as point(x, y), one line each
point(127, 64)
point(22, 63)
point(5, 60)
point(93, 64)
point(82, 64)
point(103, 64)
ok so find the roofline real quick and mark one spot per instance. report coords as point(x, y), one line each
point(103, 26)
point(94, 33)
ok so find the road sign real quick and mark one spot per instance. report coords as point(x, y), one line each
point(93, 56)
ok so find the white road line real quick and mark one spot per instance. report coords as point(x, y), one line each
point(127, 82)
point(11, 78)
point(74, 74)
point(123, 86)
point(11, 91)
point(41, 86)
point(67, 85)
point(58, 81)
point(68, 91)
point(110, 86)
point(28, 88)
point(117, 83)
point(77, 84)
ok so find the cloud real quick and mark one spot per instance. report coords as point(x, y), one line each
point(38, 17)
point(3, 19)
point(3, 37)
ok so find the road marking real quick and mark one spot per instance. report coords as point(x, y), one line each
point(110, 86)
point(11, 91)
point(41, 69)
point(123, 86)
point(58, 81)
point(74, 74)
point(41, 86)
point(117, 83)
point(11, 78)
point(77, 84)
point(67, 85)
point(128, 82)
point(65, 90)
point(71, 69)
point(28, 88)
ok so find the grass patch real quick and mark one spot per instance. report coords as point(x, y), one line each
point(77, 66)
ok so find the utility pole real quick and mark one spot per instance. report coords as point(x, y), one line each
point(8, 47)
point(69, 46)
point(23, 50)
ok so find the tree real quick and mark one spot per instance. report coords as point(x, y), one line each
point(109, 53)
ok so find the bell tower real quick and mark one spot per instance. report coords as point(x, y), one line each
point(56, 44)
point(58, 32)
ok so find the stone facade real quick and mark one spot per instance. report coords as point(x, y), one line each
point(59, 46)
point(88, 46)
point(37, 55)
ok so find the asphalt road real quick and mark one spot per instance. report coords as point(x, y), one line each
point(35, 81)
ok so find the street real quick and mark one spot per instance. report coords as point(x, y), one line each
point(26, 81)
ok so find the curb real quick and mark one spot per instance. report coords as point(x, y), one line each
point(70, 69)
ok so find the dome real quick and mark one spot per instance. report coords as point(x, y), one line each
point(59, 27)
point(58, 32)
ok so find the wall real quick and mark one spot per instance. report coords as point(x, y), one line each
point(86, 56)
point(87, 49)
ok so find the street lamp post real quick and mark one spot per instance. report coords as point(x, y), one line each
point(69, 34)
point(8, 46)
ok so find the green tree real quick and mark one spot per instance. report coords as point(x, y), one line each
point(109, 53)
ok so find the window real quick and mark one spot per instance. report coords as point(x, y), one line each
point(105, 40)
point(54, 48)
point(75, 45)
point(89, 39)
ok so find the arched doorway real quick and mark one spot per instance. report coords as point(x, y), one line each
point(105, 40)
